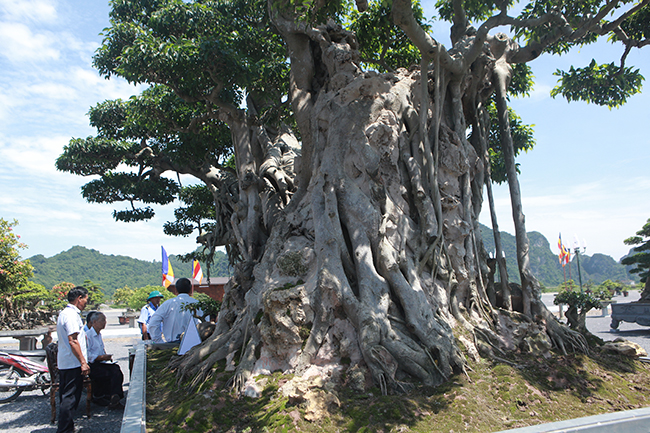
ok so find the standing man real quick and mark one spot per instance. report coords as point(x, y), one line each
point(153, 301)
point(172, 316)
point(105, 374)
point(71, 357)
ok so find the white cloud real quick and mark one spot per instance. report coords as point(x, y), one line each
point(51, 91)
point(20, 44)
point(541, 91)
point(600, 212)
point(35, 155)
point(38, 11)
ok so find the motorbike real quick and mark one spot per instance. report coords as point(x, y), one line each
point(22, 371)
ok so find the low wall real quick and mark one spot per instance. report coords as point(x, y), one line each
point(135, 409)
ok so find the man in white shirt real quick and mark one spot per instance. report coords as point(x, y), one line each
point(106, 376)
point(153, 302)
point(172, 316)
point(71, 357)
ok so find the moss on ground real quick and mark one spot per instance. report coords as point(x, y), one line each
point(493, 396)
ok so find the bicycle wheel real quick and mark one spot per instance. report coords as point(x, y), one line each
point(8, 374)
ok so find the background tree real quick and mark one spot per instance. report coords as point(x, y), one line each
point(60, 295)
point(18, 294)
point(121, 296)
point(137, 298)
point(352, 208)
point(209, 307)
point(96, 295)
point(641, 258)
point(579, 304)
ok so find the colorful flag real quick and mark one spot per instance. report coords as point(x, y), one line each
point(197, 273)
point(562, 251)
point(167, 271)
point(564, 254)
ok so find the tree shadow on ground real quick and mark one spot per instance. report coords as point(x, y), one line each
point(370, 411)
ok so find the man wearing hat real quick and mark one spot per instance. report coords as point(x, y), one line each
point(153, 301)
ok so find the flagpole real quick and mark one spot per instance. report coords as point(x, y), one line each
point(577, 251)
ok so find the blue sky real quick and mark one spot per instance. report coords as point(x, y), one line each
point(588, 175)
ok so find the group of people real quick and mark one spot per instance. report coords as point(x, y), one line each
point(166, 323)
point(81, 350)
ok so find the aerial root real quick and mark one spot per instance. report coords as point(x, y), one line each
point(435, 365)
point(564, 337)
point(236, 383)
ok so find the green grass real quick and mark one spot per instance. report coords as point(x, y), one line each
point(493, 396)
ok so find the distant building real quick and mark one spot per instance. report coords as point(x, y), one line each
point(213, 287)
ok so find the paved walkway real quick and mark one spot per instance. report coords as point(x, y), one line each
point(600, 326)
point(30, 412)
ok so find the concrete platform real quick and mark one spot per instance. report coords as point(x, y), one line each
point(630, 421)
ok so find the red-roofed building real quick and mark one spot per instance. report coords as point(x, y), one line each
point(213, 288)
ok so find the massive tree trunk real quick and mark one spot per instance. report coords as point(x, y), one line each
point(376, 269)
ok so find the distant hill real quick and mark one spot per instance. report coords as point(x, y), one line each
point(111, 272)
point(546, 266)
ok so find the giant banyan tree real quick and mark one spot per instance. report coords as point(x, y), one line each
point(343, 157)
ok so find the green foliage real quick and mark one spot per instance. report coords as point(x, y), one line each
point(121, 296)
point(30, 296)
point(381, 44)
point(57, 297)
point(95, 295)
point(609, 288)
point(571, 296)
point(206, 304)
point(196, 213)
point(111, 272)
point(636, 26)
point(196, 57)
point(522, 80)
point(17, 293)
point(138, 297)
point(191, 45)
point(522, 138)
point(60, 295)
point(575, 13)
point(641, 256)
point(475, 9)
point(14, 272)
point(607, 84)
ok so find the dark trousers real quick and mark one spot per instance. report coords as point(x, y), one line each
point(106, 379)
point(70, 387)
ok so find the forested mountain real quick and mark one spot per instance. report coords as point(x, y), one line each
point(545, 264)
point(111, 272)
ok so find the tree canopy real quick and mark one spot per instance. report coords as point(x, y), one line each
point(346, 154)
point(641, 257)
point(17, 292)
point(203, 59)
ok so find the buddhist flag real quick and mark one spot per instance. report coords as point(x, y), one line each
point(197, 273)
point(167, 271)
point(562, 251)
